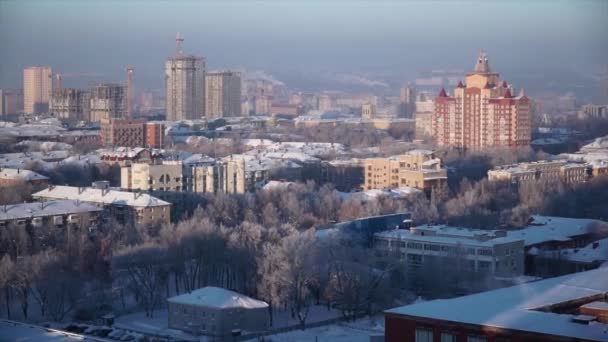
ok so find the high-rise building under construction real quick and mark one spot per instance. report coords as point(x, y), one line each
point(222, 94)
point(185, 86)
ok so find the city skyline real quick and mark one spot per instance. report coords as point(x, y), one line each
point(277, 38)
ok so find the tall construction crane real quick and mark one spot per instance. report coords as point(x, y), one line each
point(59, 78)
point(129, 70)
point(179, 39)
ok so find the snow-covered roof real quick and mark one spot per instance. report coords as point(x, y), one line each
point(83, 160)
point(598, 143)
point(44, 145)
point(465, 239)
point(277, 185)
point(397, 193)
point(22, 160)
point(516, 308)
point(41, 209)
point(21, 174)
point(128, 152)
point(198, 159)
point(94, 195)
point(596, 251)
point(257, 142)
point(255, 163)
point(216, 297)
point(551, 228)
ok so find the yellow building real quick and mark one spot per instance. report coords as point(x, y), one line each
point(37, 89)
point(417, 169)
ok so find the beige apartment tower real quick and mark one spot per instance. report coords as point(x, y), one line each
point(222, 94)
point(37, 89)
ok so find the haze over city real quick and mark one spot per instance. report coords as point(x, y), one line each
point(306, 43)
point(304, 170)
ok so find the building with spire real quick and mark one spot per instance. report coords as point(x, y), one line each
point(482, 113)
point(185, 86)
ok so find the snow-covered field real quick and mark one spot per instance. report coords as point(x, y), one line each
point(357, 331)
point(157, 325)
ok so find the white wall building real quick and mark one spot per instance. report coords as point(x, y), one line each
point(485, 251)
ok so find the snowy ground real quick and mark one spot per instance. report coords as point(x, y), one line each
point(357, 331)
point(157, 325)
point(317, 313)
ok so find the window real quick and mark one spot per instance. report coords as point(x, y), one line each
point(414, 259)
point(447, 337)
point(424, 335)
point(476, 339)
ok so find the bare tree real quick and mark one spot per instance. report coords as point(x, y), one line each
point(143, 266)
point(7, 270)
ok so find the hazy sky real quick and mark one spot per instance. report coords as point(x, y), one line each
point(299, 36)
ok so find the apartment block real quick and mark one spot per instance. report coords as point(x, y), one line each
point(126, 207)
point(59, 213)
point(71, 104)
point(417, 169)
point(11, 177)
point(108, 101)
point(484, 113)
point(177, 176)
point(37, 89)
point(542, 171)
point(122, 132)
point(222, 94)
point(154, 133)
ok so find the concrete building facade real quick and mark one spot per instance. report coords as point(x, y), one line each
point(126, 207)
point(71, 104)
point(154, 133)
point(222, 94)
point(213, 177)
point(60, 213)
point(11, 101)
point(407, 101)
point(12, 177)
point(217, 312)
point(417, 169)
point(542, 171)
point(483, 113)
point(122, 132)
point(37, 89)
point(480, 251)
point(108, 101)
point(185, 88)
point(368, 110)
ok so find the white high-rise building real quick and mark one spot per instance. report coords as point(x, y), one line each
point(37, 89)
point(222, 94)
point(185, 86)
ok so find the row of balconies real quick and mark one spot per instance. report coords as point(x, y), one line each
point(40, 220)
